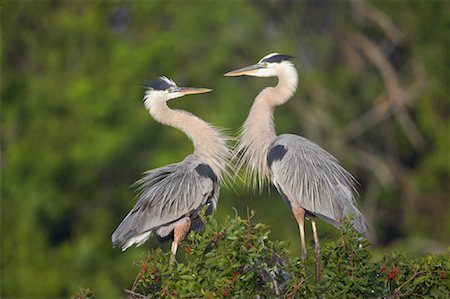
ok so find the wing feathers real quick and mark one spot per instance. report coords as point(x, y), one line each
point(313, 179)
point(166, 195)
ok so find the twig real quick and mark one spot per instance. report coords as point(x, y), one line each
point(380, 111)
point(135, 294)
point(387, 72)
point(135, 281)
point(396, 97)
point(379, 166)
point(410, 128)
point(296, 287)
point(379, 18)
point(138, 276)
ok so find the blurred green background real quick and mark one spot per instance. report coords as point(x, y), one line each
point(75, 135)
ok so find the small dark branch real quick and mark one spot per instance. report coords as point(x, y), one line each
point(409, 294)
point(134, 294)
point(136, 281)
point(296, 288)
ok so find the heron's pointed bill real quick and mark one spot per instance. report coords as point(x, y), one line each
point(248, 70)
point(190, 90)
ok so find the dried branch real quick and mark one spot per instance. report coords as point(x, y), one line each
point(378, 166)
point(379, 18)
point(394, 101)
point(379, 112)
point(135, 295)
point(375, 56)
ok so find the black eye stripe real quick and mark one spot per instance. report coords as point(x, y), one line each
point(157, 84)
point(277, 58)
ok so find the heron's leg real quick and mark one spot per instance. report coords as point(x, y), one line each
point(299, 214)
point(316, 249)
point(180, 230)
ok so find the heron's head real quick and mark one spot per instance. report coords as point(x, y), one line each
point(267, 67)
point(166, 88)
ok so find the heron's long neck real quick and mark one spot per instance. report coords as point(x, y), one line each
point(258, 131)
point(209, 143)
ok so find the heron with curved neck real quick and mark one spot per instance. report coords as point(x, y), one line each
point(310, 180)
point(171, 196)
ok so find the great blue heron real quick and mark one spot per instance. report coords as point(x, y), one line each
point(309, 179)
point(171, 196)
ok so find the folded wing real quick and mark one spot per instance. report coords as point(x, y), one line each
point(309, 177)
point(167, 195)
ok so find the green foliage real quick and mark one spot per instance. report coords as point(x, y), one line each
point(237, 259)
point(426, 276)
point(348, 268)
point(234, 259)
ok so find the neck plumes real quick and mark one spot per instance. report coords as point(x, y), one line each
point(210, 145)
point(258, 131)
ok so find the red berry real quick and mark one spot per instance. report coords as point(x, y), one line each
point(393, 273)
point(144, 268)
point(188, 249)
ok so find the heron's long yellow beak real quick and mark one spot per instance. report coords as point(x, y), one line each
point(248, 70)
point(191, 90)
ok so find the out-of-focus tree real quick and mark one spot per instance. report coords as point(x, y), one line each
point(75, 134)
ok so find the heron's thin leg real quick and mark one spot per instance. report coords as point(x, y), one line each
point(316, 249)
point(174, 248)
point(299, 214)
point(180, 229)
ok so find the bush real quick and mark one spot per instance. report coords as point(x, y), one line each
point(237, 259)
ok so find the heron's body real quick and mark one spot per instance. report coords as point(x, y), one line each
point(171, 196)
point(309, 179)
point(193, 184)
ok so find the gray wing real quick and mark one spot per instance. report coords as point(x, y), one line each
point(309, 177)
point(168, 194)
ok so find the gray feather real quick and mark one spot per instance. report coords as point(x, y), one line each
point(167, 194)
point(313, 179)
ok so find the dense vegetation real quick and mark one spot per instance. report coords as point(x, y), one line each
point(74, 134)
point(237, 259)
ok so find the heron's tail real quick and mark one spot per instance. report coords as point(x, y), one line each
point(357, 220)
point(125, 235)
point(345, 206)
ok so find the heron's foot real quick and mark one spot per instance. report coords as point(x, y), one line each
point(172, 261)
point(304, 254)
